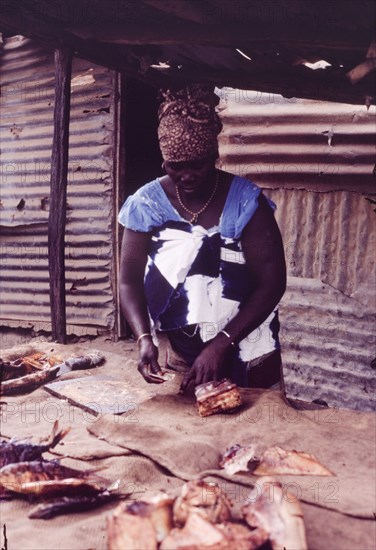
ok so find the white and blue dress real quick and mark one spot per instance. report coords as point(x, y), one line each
point(196, 279)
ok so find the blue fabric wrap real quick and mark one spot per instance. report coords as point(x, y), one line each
point(149, 208)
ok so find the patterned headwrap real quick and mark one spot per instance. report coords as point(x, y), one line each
point(188, 123)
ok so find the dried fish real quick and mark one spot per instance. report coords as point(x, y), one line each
point(27, 373)
point(60, 487)
point(80, 362)
point(71, 504)
point(32, 477)
point(158, 510)
point(130, 531)
point(203, 498)
point(29, 382)
point(239, 536)
point(37, 360)
point(10, 370)
point(277, 512)
point(198, 533)
point(236, 459)
point(22, 450)
point(272, 461)
point(22, 366)
point(216, 397)
point(276, 460)
point(87, 361)
point(141, 524)
point(202, 520)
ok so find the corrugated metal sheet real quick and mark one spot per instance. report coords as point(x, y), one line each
point(330, 237)
point(296, 143)
point(328, 343)
point(27, 100)
point(315, 161)
point(328, 312)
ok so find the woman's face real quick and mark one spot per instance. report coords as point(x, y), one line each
point(192, 177)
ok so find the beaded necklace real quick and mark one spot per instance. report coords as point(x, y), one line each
point(195, 215)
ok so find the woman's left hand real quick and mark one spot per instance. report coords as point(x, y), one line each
point(208, 366)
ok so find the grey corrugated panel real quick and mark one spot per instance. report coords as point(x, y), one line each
point(328, 343)
point(25, 283)
point(26, 132)
point(328, 313)
point(298, 143)
point(329, 236)
point(36, 140)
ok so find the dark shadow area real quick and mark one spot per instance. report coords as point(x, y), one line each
point(142, 156)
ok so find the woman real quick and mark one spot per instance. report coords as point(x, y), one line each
point(202, 257)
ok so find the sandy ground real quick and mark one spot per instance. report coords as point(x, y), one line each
point(30, 415)
point(10, 338)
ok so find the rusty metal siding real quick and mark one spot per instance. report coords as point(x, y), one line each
point(27, 80)
point(315, 161)
point(296, 143)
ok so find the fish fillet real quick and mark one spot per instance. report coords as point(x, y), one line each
point(278, 512)
point(276, 460)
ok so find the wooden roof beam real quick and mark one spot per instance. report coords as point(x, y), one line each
point(230, 35)
point(184, 9)
point(305, 84)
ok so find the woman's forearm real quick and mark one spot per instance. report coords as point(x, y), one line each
point(264, 256)
point(133, 303)
point(263, 251)
point(253, 313)
point(133, 261)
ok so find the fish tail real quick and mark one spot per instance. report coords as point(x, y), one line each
point(56, 436)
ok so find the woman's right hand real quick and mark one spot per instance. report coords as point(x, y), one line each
point(134, 255)
point(148, 361)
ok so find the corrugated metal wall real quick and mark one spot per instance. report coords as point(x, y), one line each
point(294, 143)
point(27, 102)
point(315, 160)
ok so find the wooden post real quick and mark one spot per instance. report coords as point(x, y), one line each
point(58, 193)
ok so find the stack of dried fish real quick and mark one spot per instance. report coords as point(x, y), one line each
point(201, 518)
point(24, 472)
point(217, 397)
point(25, 374)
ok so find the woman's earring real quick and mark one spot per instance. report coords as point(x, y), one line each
point(163, 167)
